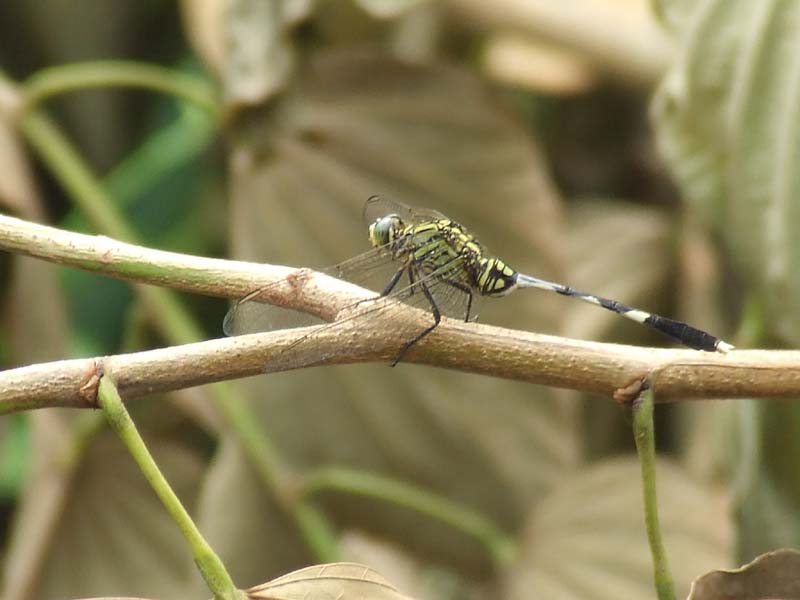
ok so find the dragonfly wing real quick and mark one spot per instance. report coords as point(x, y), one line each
point(377, 207)
point(372, 270)
point(253, 313)
point(249, 315)
point(450, 300)
point(458, 302)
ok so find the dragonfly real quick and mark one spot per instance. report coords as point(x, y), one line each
point(436, 264)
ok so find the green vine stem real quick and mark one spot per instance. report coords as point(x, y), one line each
point(161, 306)
point(644, 435)
point(209, 564)
point(52, 81)
point(499, 546)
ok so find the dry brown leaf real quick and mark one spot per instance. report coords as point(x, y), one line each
point(342, 581)
point(774, 576)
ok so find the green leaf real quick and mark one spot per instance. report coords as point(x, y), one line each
point(617, 270)
point(14, 454)
point(728, 122)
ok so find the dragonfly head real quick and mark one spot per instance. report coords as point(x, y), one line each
point(385, 230)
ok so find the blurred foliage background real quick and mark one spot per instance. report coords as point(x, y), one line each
point(642, 151)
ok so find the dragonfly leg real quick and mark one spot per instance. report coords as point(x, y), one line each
point(411, 282)
point(437, 318)
point(393, 281)
point(389, 286)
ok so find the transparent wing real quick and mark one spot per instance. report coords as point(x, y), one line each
point(251, 314)
point(376, 207)
point(452, 298)
point(372, 270)
point(450, 301)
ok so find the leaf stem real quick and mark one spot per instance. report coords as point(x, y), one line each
point(497, 543)
point(209, 564)
point(52, 81)
point(316, 529)
point(644, 435)
point(162, 307)
point(67, 165)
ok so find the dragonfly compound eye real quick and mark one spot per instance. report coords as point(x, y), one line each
point(385, 230)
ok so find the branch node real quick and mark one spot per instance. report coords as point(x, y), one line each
point(90, 383)
point(629, 393)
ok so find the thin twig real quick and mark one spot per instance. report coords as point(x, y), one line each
point(548, 360)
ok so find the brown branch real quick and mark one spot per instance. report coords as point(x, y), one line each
point(588, 366)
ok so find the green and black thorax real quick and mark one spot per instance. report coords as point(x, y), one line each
point(446, 250)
